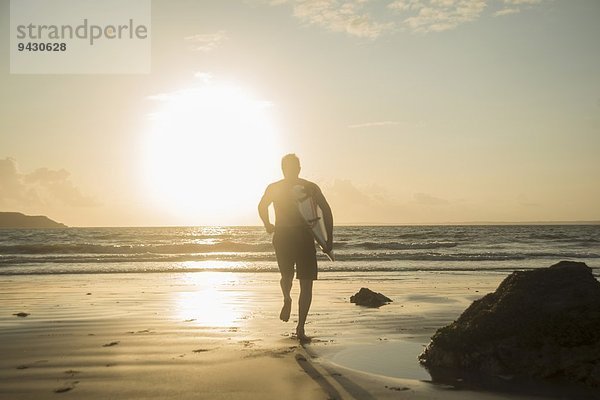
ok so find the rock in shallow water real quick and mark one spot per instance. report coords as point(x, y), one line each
point(368, 298)
point(543, 323)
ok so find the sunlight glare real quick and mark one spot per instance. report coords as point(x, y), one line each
point(209, 300)
point(209, 152)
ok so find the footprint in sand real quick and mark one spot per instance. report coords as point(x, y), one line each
point(397, 388)
point(21, 314)
point(139, 332)
point(281, 353)
point(67, 387)
point(25, 366)
point(200, 350)
point(250, 343)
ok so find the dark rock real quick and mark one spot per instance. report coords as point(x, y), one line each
point(539, 324)
point(368, 298)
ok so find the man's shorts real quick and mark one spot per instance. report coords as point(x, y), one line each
point(295, 246)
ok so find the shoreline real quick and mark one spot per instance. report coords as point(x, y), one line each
point(349, 269)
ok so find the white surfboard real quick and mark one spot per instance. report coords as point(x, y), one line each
point(313, 215)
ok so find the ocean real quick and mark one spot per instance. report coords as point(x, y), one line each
point(460, 248)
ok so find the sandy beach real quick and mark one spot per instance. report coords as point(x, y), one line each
point(168, 167)
point(144, 336)
point(216, 335)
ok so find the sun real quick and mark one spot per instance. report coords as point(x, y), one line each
point(208, 152)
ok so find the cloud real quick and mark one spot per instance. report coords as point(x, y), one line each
point(354, 18)
point(38, 189)
point(347, 16)
point(437, 15)
point(429, 200)
point(522, 2)
point(353, 204)
point(507, 11)
point(373, 124)
point(344, 189)
point(399, 203)
point(524, 201)
point(206, 41)
point(515, 6)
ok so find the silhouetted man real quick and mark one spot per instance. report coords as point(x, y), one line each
point(293, 240)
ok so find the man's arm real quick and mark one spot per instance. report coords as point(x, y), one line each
point(327, 216)
point(263, 210)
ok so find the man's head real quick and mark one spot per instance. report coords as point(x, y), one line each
point(290, 165)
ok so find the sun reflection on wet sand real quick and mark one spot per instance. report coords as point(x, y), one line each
point(210, 299)
point(217, 265)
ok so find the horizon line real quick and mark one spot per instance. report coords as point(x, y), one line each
point(463, 223)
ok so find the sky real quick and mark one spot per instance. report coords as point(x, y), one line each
point(403, 111)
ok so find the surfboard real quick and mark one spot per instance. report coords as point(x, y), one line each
point(313, 215)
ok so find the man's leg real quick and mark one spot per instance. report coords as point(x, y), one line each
point(285, 261)
point(304, 301)
point(286, 288)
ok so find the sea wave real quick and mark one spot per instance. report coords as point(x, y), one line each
point(133, 249)
point(405, 246)
point(192, 248)
point(270, 256)
point(89, 248)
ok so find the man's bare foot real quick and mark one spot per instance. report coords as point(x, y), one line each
point(284, 315)
point(302, 338)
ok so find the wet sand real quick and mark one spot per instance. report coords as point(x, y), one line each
point(144, 336)
point(217, 335)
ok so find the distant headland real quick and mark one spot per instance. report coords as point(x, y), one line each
point(16, 220)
